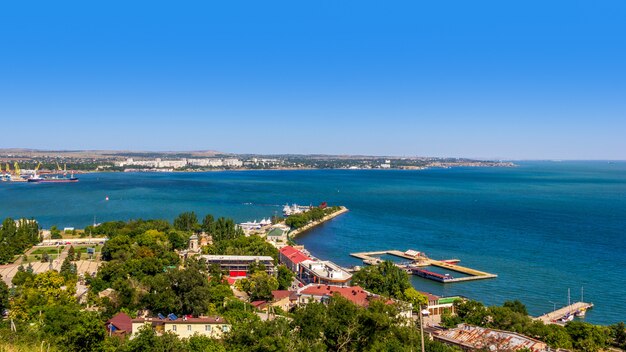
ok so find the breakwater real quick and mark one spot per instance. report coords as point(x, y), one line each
point(313, 224)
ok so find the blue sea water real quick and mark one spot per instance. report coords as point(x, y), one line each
point(543, 227)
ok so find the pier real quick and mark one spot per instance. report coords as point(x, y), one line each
point(419, 259)
point(560, 315)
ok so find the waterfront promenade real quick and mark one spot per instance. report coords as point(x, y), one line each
point(313, 224)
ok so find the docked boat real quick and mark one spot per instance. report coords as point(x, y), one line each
point(431, 275)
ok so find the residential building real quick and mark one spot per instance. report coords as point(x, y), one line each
point(184, 327)
point(209, 162)
point(237, 265)
point(439, 305)
point(322, 293)
point(232, 162)
point(284, 299)
point(121, 325)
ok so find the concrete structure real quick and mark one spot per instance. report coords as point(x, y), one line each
point(184, 327)
point(322, 272)
point(237, 265)
point(419, 259)
point(474, 338)
point(193, 243)
point(562, 313)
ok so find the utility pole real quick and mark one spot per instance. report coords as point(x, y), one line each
point(421, 327)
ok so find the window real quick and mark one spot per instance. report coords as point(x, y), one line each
point(188, 327)
point(173, 327)
point(207, 328)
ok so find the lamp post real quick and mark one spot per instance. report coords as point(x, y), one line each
point(422, 312)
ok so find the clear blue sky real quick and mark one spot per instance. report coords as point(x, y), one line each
point(503, 79)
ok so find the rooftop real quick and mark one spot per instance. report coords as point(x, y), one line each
point(295, 255)
point(326, 270)
point(280, 294)
point(121, 321)
point(480, 338)
point(355, 294)
point(238, 257)
point(183, 319)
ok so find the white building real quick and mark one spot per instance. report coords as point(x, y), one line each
point(232, 162)
point(206, 162)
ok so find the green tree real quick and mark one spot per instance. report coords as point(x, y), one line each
point(55, 233)
point(417, 299)
point(285, 277)
point(145, 340)
point(516, 306)
point(261, 285)
point(588, 337)
point(199, 343)
point(4, 296)
point(471, 312)
point(208, 224)
point(618, 333)
point(70, 253)
point(187, 221)
point(384, 279)
point(178, 239)
point(68, 270)
point(118, 247)
point(255, 267)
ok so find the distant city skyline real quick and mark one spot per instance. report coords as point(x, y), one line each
point(488, 80)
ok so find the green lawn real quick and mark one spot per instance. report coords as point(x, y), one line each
point(83, 248)
point(49, 250)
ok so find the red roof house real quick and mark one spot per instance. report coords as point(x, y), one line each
point(292, 257)
point(355, 294)
point(120, 324)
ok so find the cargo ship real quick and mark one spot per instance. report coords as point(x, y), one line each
point(53, 179)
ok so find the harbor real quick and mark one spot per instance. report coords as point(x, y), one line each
point(417, 261)
point(35, 176)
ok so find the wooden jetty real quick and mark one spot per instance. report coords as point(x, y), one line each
point(555, 316)
point(421, 260)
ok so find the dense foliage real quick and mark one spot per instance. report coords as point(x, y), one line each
point(388, 280)
point(314, 214)
point(15, 237)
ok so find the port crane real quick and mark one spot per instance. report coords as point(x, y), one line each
point(18, 172)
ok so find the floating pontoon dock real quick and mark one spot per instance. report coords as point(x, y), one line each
point(421, 260)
